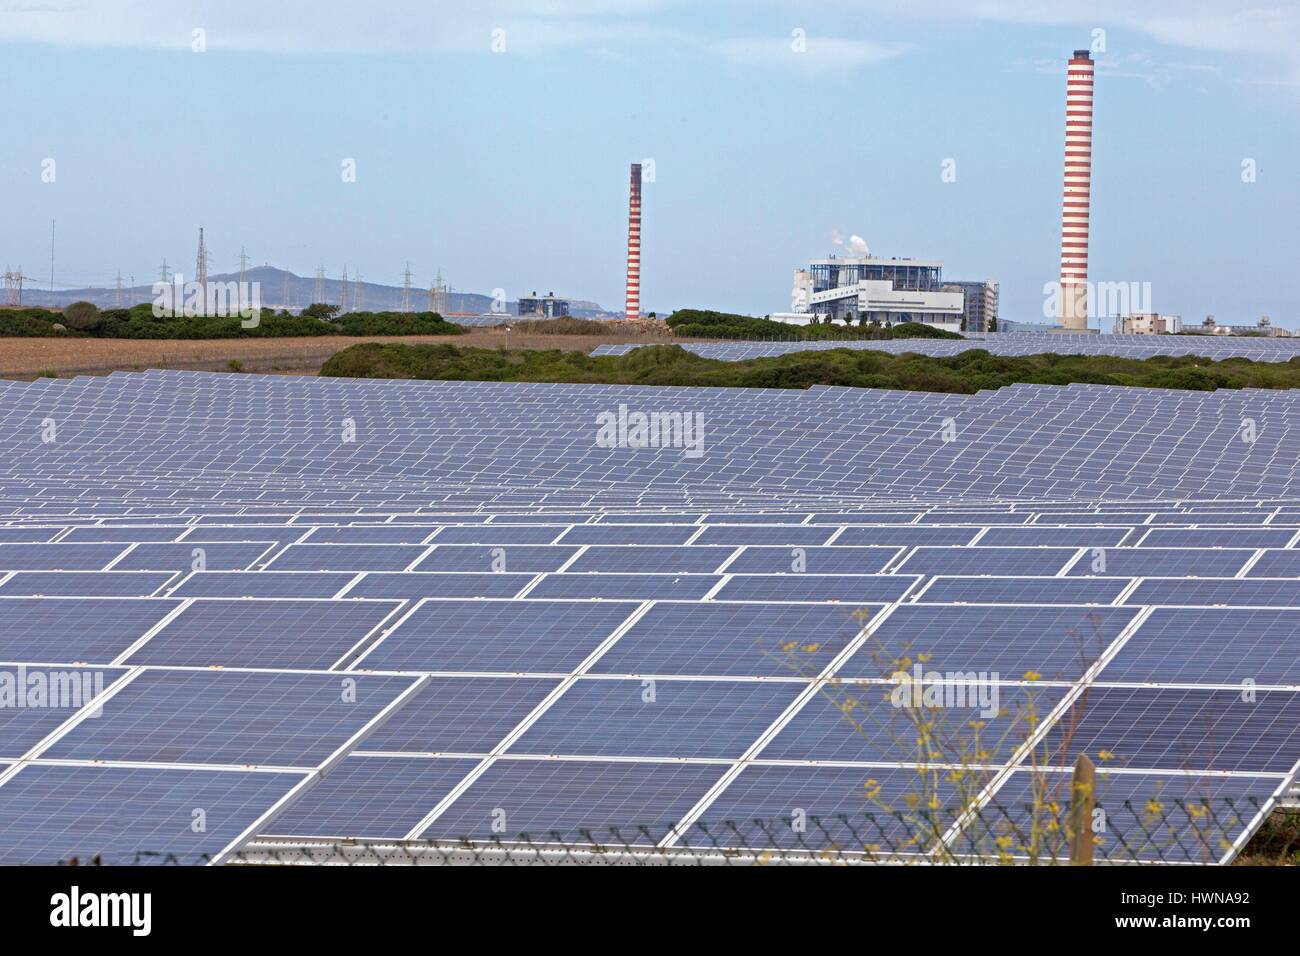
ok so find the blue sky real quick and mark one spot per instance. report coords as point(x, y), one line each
point(509, 169)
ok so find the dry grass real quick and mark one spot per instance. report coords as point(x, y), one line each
point(28, 357)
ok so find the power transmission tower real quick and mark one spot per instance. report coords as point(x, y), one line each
point(117, 293)
point(129, 288)
point(164, 274)
point(201, 274)
point(358, 293)
point(343, 292)
point(438, 298)
point(285, 295)
point(319, 295)
point(406, 289)
point(14, 287)
point(243, 266)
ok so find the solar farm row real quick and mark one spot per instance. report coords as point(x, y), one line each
point(469, 621)
point(190, 442)
point(1217, 347)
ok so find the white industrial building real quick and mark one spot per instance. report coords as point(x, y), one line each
point(870, 288)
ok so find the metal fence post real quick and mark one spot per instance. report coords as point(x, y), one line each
point(1083, 791)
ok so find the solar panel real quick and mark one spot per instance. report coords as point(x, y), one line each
point(230, 718)
point(636, 587)
point(733, 639)
point(980, 560)
point(1000, 642)
point(459, 715)
point(346, 557)
point(261, 584)
point(262, 633)
point(501, 636)
point(373, 798)
point(1184, 729)
point(129, 815)
point(85, 584)
point(696, 559)
point(1206, 645)
point(1025, 590)
point(75, 630)
point(864, 723)
point(413, 585)
point(556, 800)
point(883, 588)
point(815, 560)
point(658, 718)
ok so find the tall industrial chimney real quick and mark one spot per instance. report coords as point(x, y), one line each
point(1078, 182)
point(633, 303)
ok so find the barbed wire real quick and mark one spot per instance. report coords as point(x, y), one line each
point(1152, 832)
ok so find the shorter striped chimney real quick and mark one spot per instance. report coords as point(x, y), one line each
point(632, 307)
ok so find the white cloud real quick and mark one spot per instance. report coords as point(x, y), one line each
point(815, 54)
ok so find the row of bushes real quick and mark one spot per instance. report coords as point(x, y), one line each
point(82, 319)
point(703, 324)
point(966, 372)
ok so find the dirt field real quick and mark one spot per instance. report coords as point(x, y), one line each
point(28, 357)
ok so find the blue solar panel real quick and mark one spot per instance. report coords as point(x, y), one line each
point(1010, 642)
point(1056, 537)
point(559, 799)
point(1155, 818)
point(1168, 562)
point(35, 700)
point(1183, 729)
point(979, 560)
point(499, 534)
point(729, 639)
point(502, 636)
point(90, 630)
point(418, 584)
point(629, 534)
point(523, 558)
point(371, 798)
point(460, 715)
point(652, 560)
point(907, 536)
point(1211, 646)
point(125, 534)
point(1271, 592)
point(1276, 564)
point(822, 808)
point(371, 534)
point(346, 557)
point(85, 583)
point(884, 588)
point(261, 584)
point(267, 634)
point(1217, 538)
point(764, 534)
point(828, 560)
point(57, 557)
point(230, 717)
point(1025, 590)
point(191, 556)
point(659, 718)
point(129, 815)
point(627, 587)
point(979, 724)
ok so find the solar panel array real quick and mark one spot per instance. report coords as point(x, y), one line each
point(1217, 347)
point(316, 609)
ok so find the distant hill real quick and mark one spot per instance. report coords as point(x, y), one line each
point(300, 291)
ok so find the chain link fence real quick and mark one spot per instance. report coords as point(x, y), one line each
point(1173, 832)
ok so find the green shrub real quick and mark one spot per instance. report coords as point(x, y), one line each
point(82, 316)
point(966, 372)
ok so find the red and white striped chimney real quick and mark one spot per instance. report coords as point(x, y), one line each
point(633, 304)
point(1078, 182)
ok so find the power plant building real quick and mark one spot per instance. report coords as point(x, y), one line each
point(870, 288)
point(542, 306)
